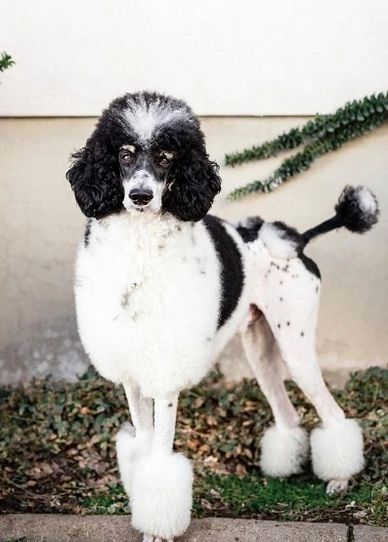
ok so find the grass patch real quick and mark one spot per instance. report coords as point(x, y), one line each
point(57, 450)
point(297, 499)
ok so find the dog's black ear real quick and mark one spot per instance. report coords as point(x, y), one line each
point(94, 178)
point(195, 183)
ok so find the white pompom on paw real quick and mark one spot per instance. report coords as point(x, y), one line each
point(337, 451)
point(129, 448)
point(161, 495)
point(283, 451)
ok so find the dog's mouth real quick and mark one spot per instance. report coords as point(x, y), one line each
point(133, 207)
point(140, 208)
point(130, 206)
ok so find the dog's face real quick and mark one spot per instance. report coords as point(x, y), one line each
point(144, 172)
point(146, 155)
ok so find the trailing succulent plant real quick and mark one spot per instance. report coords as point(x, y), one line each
point(5, 61)
point(322, 134)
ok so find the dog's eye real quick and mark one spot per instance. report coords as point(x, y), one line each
point(127, 154)
point(164, 158)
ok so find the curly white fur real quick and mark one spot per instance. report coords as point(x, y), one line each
point(161, 495)
point(283, 451)
point(118, 283)
point(366, 200)
point(129, 448)
point(275, 242)
point(337, 450)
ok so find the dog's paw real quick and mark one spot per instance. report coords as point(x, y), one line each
point(337, 486)
point(129, 448)
point(283, 451)
point(161, 495)
point(337, 451)
point(150, 538)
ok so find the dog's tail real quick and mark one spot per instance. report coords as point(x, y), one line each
point(357, 210)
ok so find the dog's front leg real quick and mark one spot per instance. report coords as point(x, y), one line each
point(161, 489)
point(134, 441)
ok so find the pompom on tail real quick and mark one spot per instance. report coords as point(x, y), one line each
point(357, 209)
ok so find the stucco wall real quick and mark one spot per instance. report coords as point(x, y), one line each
point(40, 226)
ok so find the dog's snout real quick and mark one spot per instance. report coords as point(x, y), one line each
point(140, 196)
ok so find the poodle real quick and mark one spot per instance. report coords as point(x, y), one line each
point(161, 287)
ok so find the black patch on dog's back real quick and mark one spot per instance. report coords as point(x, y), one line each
point(232, 272)
point(295, 237)
point(290, 234)
point(310, 265)
point(249, 228)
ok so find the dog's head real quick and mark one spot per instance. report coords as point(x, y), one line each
point(146, 154)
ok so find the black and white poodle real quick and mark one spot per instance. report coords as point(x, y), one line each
point(161, 287)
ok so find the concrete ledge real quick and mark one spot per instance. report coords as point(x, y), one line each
point(66, 528)
point(366, 533)
point(70, 528)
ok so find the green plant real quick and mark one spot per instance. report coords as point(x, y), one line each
point(319, 136)
point(57, 452)
point(5, 61)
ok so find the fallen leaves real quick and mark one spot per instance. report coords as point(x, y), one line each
point(57, 449)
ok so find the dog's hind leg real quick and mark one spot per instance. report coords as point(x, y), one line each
point(134, 441)
point(161, 489)
point(285, 446)
point(336, 446)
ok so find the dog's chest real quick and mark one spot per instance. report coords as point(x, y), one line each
point(147, 295)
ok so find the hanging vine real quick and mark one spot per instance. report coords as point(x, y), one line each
point(319, 136)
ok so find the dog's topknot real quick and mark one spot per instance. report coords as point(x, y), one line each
point(357, 209)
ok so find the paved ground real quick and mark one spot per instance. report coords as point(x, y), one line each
point(58, 528)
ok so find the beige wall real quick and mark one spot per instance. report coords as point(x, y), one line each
point(40, 226)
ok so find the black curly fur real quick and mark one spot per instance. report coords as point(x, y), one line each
point(195, 184)
point(349, 214)
point(95, 173)
point(249, 228)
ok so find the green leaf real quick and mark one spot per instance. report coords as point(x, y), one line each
point(320, 135)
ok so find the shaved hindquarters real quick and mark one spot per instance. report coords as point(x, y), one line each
point(284, 447)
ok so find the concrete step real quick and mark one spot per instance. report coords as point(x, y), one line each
point(70, 528)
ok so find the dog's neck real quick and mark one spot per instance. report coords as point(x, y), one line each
point(142, 227)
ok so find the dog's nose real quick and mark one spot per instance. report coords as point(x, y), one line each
point(140, 196)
